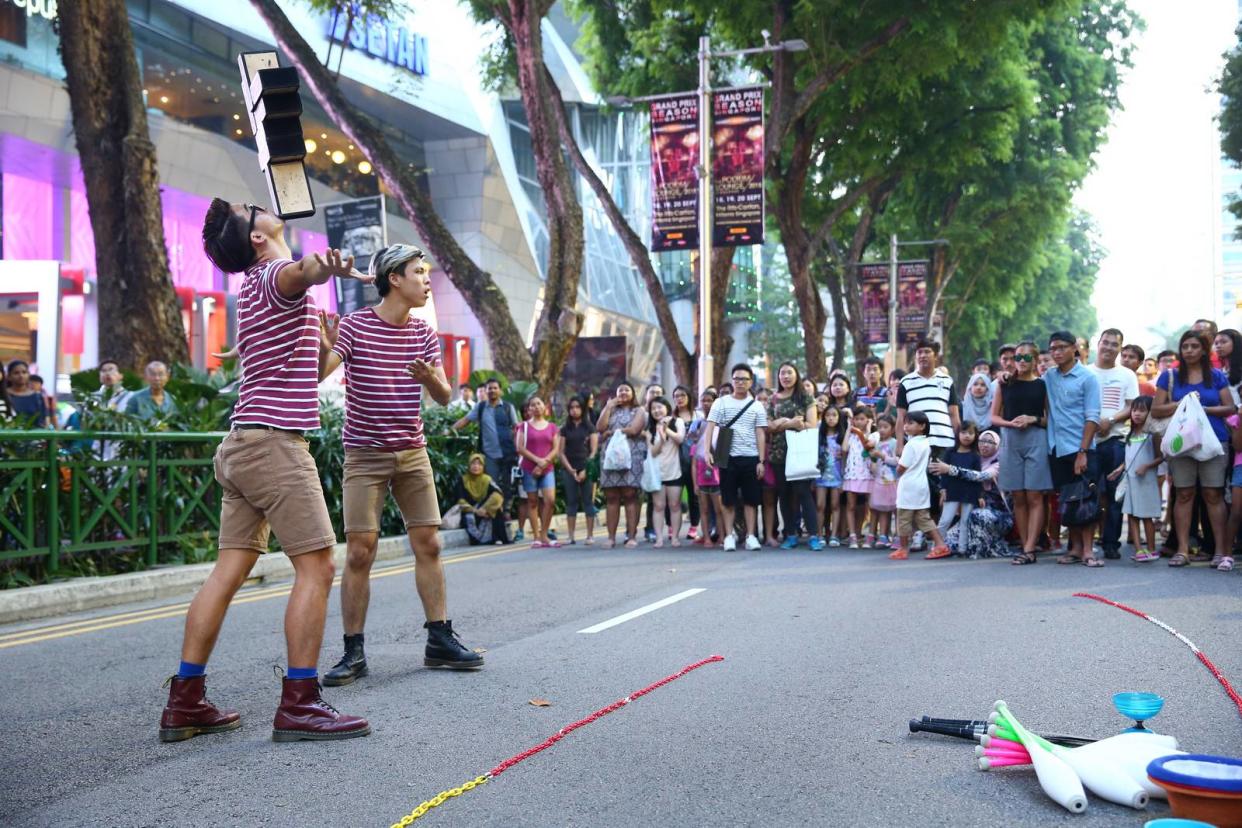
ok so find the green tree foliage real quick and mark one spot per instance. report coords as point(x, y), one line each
point(969, 121)
point(1056, 296)
point(1230, 88)
point(776, 334)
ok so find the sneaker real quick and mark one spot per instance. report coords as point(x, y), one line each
point(730, 543)
point(791, 542)
point(881, 542)
point(854, 542)
point(519, 537)
point(752, 543)
point(869, 542)
point(551, 534)
point(693, 533)
point(817, 543)
point(834, 542)
point(918, 543)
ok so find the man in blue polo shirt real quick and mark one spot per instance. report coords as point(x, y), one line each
point(1073, 417)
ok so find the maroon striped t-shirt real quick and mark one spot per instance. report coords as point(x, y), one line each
point(278, 340)
point(383, 404)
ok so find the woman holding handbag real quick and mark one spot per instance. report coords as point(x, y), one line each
point(1195, 375)
point(791, 411)
point(623, 416)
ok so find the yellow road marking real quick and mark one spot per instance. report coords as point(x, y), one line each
point(124, 619)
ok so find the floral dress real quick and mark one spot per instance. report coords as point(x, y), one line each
point(631, 478)
point(829, 463)
point(884, 476)
point(857, 465)
point(990, 524)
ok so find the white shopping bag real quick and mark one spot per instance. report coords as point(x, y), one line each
point(1189, 433)
point(617, 452)
point(802, 454)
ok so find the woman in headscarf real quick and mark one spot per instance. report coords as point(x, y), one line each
point(481, 501)
point(977, 402)
point(991, 523)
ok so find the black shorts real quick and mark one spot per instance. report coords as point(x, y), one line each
point(738, 478)
point(1063, 468)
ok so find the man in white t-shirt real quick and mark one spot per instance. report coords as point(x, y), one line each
point(739, 479)
point(1118, 388)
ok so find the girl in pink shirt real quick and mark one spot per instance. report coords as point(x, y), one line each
point(536, 445)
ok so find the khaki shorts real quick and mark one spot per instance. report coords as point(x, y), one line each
point(911, 520)
point(1186, 471)
point(271, 483)
point(371, 473)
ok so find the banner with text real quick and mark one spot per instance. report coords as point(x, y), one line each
point(357, 228)
point(674, 185)
point(737, 167)
point(911, 301)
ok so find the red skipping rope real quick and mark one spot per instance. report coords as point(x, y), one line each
point(598, 714)
point(1207, 662)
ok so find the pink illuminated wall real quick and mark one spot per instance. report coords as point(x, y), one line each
point(28, 219)
point(183, 236)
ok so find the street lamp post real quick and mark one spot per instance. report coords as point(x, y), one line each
point(707, 363)
point(706, 366)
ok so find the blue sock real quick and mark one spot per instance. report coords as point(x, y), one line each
point(302, 672)
point(188, 670)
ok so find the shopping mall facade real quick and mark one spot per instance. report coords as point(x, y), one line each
point(471, 144)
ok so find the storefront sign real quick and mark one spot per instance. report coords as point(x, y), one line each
point(41, 8)
point(911, 301)
point(737, 167)
point(674, 184)
point(357, 228)
point(389, 43)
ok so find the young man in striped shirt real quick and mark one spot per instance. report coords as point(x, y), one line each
point(268, 476)
point(389, 359)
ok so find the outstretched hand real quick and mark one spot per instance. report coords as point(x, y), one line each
point(329, 330)
point(335, 264)
point(422, 371)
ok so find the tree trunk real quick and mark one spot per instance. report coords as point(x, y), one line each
point(139, 317)
point(683, 361)
point(484, 298)
point(559, 322)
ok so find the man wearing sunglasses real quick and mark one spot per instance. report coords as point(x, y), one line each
point(268, 477)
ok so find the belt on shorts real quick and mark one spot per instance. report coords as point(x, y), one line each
point(260, 427)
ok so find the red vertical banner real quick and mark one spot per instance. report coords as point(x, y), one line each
point(737, 167)
point(674, 184)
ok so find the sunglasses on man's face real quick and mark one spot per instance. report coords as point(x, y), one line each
point(1024, 358)
point(254, 210)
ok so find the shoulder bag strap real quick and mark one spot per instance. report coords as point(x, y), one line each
point(739, 414)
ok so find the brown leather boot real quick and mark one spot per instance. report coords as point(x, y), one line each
point(189, 714)
point(303, 714)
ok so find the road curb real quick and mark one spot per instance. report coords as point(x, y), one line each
point(81, 594)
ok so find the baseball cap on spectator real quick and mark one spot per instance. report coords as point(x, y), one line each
point(1062, 336)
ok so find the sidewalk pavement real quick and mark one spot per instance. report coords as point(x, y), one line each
point(81, 594)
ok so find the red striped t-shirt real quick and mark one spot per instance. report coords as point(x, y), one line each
point(383, 405)
point(278, 340)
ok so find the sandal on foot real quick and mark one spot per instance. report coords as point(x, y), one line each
point(1225, 565)
point(1145, 556)
point(1065, 560)
point(1179, 560)
point(1024, 558)
point(899, 554)
point(1094, 563)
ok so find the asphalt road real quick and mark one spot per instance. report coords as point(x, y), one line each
point(827, 655)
